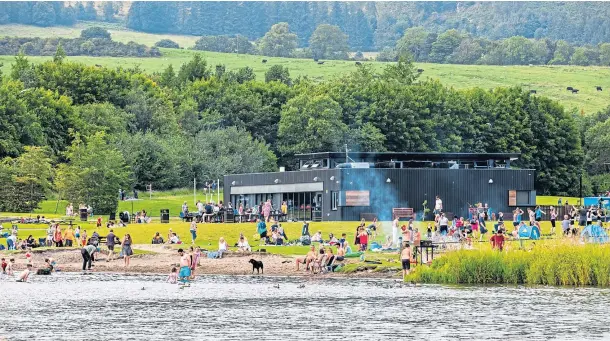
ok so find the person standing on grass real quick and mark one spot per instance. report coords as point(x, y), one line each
point(69, 236)
point(110, 241)
point(395, 231)
point(405, 258)
point(553, 216)
point(57, 237)
point(539, 213)
point(267, 210)
point(87, 253)
point(77, 236)
point(193, 231)
point(517, 217)
point(50, 233)
point(127, 251)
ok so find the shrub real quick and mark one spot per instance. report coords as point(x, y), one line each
point(167, 43)
point(95, 32)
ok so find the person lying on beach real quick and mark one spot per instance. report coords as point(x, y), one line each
point(311, 255)
point(23, 277)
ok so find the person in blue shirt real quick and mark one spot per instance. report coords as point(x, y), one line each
point(261, 228)
point(539, 213)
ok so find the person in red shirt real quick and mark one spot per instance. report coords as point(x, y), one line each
point(497, 241)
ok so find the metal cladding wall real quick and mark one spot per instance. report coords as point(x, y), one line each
point(296, 177)
point(410, 187)
point(407, 188)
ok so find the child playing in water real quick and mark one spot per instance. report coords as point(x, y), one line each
point(4, 265)
point(9, 266)
point(25, 274)
point(173, 276)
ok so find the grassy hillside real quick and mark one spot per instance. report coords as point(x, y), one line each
point(548, 81)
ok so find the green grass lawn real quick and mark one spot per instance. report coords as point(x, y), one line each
point(550, 81)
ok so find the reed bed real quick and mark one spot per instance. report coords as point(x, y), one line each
point(561, 264)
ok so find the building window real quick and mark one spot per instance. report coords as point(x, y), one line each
point(334, 200)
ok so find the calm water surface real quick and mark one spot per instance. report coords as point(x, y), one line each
point(114, 307)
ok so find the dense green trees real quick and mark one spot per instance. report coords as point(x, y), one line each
point(375, 25)
point(93, 174)
point(167, 43)
point(279, 41)
point(76, 47)
point(105, 129)
point(238, 44)
point(461, 48)
point(26, 180)
point(328, 41)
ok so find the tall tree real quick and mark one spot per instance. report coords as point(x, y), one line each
point(279, 41)
point(94, 173)
point(311, 123)
point(328, 41)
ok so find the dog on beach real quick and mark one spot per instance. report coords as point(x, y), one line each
point(256, 264)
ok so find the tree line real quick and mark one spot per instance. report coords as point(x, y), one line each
point(100, 129)
point(94, 41)
point(327, 41)
point(377, 25)
point(454, 47)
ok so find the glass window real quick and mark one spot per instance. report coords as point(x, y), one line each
point(334, 200)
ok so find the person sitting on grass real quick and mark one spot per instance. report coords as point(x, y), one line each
point(174, 239)
point(242, 244)
point(222, 247)
point(157, 239)
point(309, 257)
point(317, 237)
point(319, 261)
point(340, 254)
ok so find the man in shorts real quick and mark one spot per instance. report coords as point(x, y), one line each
point(185, 267)
point(405, 256)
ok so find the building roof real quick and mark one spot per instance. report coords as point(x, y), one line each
point(410, 156)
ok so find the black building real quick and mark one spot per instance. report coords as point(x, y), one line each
point(340, 186)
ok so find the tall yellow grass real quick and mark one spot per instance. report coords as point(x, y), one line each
point(559, 264)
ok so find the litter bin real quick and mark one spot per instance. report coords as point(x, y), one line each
point(83, 214)
point(165, 216)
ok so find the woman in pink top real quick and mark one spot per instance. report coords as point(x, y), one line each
point(267, 210)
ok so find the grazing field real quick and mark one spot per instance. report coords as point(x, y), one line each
point(548, 81)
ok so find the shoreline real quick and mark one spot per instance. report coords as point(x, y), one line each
point(159, 260)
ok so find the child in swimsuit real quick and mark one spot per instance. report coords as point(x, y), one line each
point(173, 276)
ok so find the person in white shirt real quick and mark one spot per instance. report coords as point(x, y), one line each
point(395, 232)
point(243, 245)
point(438, 206)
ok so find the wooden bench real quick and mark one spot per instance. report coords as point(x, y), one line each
point(402, 213)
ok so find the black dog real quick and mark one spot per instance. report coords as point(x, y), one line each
point(256, 265)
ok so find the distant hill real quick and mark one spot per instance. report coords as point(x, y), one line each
point(370, 25)
point(374, 25)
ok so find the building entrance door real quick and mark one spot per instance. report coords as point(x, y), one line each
point(317, 207)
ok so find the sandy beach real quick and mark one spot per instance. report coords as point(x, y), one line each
point(162, 258)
